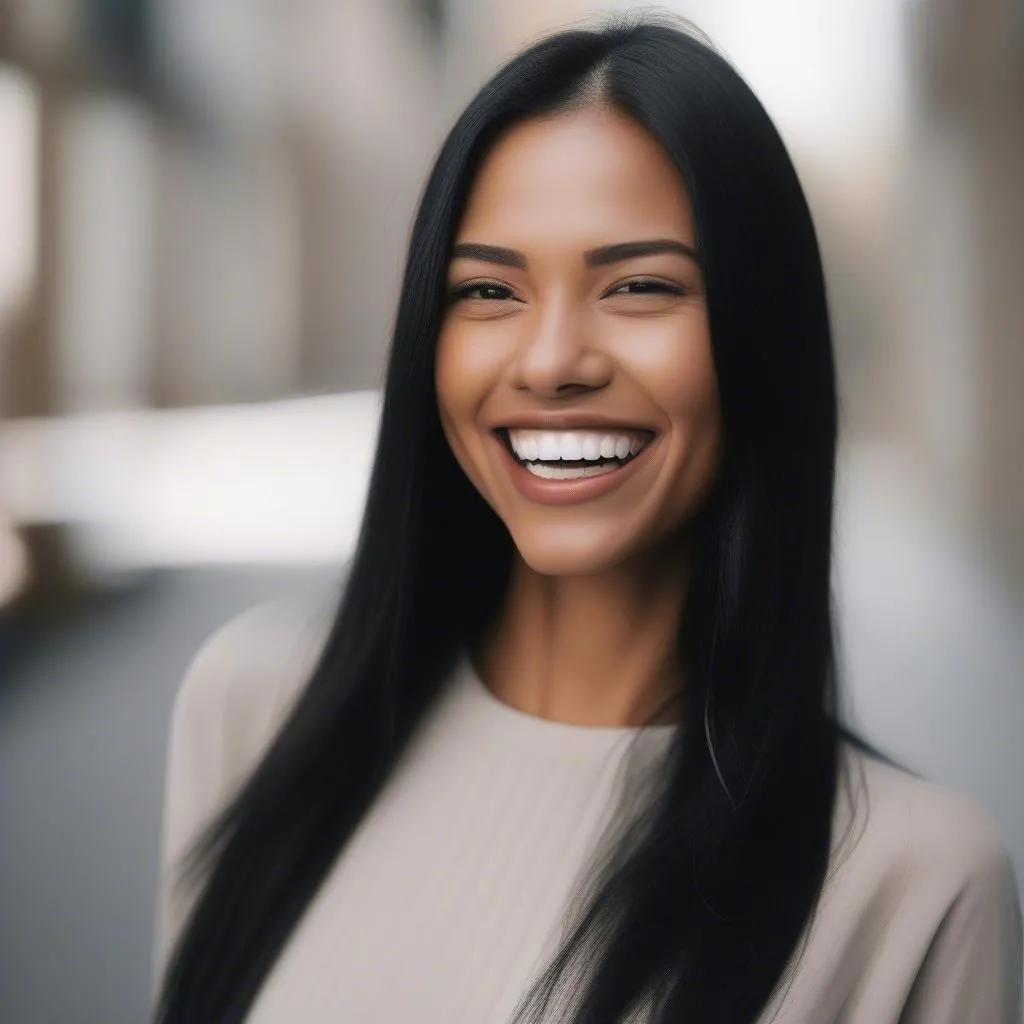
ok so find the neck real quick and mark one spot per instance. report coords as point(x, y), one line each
point(589, 650)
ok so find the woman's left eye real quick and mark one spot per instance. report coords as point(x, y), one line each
point(646, 287)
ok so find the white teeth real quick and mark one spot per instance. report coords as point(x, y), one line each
point(541, 469)
point(548, 448)
point(570, 448)
point(573, 445)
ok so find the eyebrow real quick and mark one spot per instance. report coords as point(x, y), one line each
point(600, 257)
point(489, 254)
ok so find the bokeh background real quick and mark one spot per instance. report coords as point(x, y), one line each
point(203, 209)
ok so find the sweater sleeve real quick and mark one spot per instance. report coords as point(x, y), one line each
point(231, 701)
point(974, 964)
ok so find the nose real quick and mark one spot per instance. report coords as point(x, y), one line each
point(559, 354)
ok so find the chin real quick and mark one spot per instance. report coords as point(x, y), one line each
point(556, 557)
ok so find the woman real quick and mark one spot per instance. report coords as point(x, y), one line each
point(567, 751)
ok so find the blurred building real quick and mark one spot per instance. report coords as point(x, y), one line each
point(207, 202)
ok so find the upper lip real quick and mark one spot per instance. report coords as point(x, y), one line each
point(570, 420)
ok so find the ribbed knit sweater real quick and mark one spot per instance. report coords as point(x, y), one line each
point(446, 902)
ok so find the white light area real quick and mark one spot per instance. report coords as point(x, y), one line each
point(281, 482)
point(830, 72)
point(19, 159)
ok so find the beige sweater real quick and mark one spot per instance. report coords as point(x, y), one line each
point(449, 896)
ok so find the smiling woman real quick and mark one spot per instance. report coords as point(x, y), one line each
point(567, 750)
point(576, 388)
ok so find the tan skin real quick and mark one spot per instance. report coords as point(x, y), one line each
point(597, 587)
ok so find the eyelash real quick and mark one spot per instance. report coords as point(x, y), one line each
point(656, 286)
point(465, 291)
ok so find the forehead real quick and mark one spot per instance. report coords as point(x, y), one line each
point(578, 179)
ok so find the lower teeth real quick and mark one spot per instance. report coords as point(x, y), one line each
point(548, 472)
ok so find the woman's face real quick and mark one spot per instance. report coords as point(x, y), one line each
point(575, 378)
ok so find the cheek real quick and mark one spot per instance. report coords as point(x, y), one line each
point(461, 382)
point(674, 364)
point(452, 382)
point(694, 399)
point(701, 424)
point(681, 379)
point(465, 371)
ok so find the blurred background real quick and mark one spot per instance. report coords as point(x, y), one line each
point(203, 210)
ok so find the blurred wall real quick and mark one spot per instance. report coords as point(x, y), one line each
point(311, 127)
point(961, 334)
point(221, 194)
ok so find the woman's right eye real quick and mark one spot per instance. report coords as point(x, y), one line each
point(481, 291)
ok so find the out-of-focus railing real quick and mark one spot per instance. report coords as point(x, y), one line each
point(270, 482)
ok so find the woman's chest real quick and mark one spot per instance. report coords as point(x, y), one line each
point(444, 903)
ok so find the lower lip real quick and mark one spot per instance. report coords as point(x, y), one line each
point(568, 492)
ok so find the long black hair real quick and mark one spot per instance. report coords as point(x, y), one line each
point(699, 921)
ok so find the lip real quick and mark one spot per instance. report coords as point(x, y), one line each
point(567, 492)
point(578, 420)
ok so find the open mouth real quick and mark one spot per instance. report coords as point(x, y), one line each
point(573, 454)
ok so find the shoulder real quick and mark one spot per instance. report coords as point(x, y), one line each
point(920, 916)
point(927, 834)
point(244, 678)
point(233, 697)
point(919, 919)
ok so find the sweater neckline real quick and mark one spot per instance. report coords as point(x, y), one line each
point(515, 720)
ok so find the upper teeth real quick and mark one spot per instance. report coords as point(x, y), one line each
point(573, 445)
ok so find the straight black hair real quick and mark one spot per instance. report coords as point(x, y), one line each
point(698, 918)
